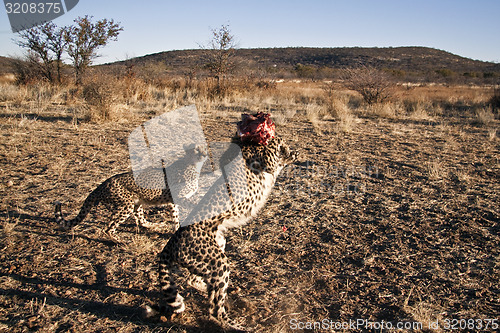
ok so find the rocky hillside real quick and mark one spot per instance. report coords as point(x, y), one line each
point(416, 62)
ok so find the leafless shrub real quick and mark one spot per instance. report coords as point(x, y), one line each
point(219, 56)
point(46, 42)
point(83, 40)
point(266, 85)
point(371, 83)
point(27, 70)
point(495, 99)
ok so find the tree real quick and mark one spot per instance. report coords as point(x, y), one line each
point(220, 55)
point(56, 44)
point(45, 44)
point(372, 84)
point(85, 38)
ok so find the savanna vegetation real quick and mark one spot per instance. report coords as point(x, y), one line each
point(391, 214)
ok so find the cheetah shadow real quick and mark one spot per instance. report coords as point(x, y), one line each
point(116, 312)
point(46, 226)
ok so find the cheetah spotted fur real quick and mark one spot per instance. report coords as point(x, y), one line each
point(199, 247)
point(125, 196)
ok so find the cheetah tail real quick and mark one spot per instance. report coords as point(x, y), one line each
point(58, 213)
point(87, 205)
point(67, 224)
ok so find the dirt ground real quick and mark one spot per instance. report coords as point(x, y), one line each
point(396, 221)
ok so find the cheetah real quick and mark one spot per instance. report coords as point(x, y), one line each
point(199, 248)
point(125, 195)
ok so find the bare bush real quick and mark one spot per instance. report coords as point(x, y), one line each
point(99, 94)
point(495, 99)
point(27, 70)
point(220, 56)
point(371, 83)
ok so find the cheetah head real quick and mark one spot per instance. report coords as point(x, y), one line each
point(196, 152)
point(270, 158)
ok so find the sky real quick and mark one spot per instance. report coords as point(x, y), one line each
point(467, 28)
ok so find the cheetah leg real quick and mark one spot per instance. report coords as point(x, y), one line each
point(221, 241)
point(171, 300)
point(174, 209)
point(139, 218)
point(197, 282)
point(120, 217)
point(216, 276)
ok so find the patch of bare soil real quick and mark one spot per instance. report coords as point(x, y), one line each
point(395, 221)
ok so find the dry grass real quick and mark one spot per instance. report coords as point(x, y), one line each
point(281, 118)
point(485, 117)
point(436, 170)
point(315, 114)
point(346, 122)
point(492, 134)
point(394, 219)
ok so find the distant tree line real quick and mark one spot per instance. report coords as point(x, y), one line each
point(46, 44)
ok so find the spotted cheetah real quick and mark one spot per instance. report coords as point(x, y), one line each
point(125, 196)
point(199, 247)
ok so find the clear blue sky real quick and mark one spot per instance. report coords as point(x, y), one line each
point(467, 28)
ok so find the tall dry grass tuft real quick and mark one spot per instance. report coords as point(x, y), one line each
point(314, 114)
point(139, 245)
point(418, 109)
point(423, 313)
point(346, 123)
point(281, 118)
point(384, 110)
point(337, 106)
point(7, 78)
point(484, 117)
point(492, 134)
point(494, 101)
point(436, 170)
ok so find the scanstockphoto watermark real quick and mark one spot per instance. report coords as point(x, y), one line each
point(25, 14)
point(382, 325)
point(330, 179)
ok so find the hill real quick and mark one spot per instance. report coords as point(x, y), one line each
point(405, 62)
point(5, 65)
